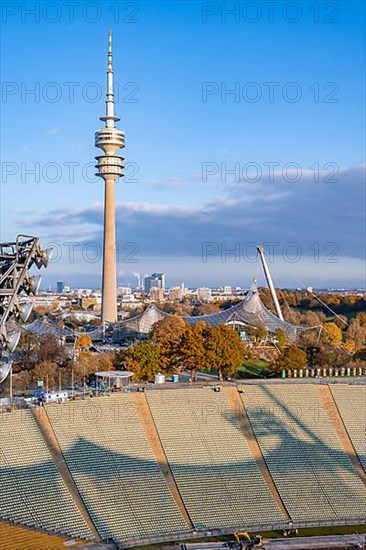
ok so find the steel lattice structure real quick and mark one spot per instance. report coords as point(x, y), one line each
point(16, 259)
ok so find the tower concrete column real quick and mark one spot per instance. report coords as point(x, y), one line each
point(109, 286)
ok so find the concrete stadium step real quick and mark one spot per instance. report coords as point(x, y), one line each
point(233, 397)
point(334, 414)
point(43, 422)
point(148, 424)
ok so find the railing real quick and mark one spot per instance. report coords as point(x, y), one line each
point(251, 528)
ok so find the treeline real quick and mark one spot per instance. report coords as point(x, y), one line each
point(45, 358)
point(304, 301)
point(175, 347)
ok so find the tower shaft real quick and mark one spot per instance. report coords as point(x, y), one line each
point(109, 284)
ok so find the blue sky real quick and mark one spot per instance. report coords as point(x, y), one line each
point(176, 59)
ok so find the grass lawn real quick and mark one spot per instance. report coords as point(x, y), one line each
point(254, 368)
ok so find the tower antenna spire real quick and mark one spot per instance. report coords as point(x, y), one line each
point(110, 119)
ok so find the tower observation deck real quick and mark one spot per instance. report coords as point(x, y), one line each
point(109, 167)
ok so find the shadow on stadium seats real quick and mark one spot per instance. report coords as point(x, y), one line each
point(35, 478)
point(128, 475)
point(116, 478)
point(292, 432)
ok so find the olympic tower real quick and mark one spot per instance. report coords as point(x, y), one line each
point(109, 168)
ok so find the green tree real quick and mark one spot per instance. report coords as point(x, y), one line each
point(282, 340)
point(258, 334)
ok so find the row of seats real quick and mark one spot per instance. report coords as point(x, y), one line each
point(32, 490)
point(312, 472)
point(114, 468)
point(216, 474)
point(13, 537)
point(351, 403)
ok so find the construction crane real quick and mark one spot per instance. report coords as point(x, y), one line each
point(270, 282)
point(16, 258)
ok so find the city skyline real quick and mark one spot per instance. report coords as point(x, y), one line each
point(184, 197)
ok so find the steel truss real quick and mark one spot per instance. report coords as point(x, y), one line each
point(16, 259)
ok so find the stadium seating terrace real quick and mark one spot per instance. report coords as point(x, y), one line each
point(114, 468)
point(351, 403)
point(308, 463)
point(216, 474)
point(32, 490)
point(117, 466)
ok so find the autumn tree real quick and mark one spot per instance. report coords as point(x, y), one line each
point(357, 331)
point(84, 342)
point(341, 321)
point(104, 361)
point(143, 359)
point(331, 335)
point(360, 355)
point(22, 381)
point(291, 357)
point(177, 307)
point(192, 353)
point(168, 329)
point(224, 350)
point(205, 309)
point(34, 349)
point(26, 352)
point(167, 334)
point(312, 318)
point(46, 371)
point(85, 366)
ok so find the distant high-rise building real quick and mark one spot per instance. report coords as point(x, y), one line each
point(156, 294)
point(156, 280)
point(109, 168)
point(138, 277)
point(60, 285)
point(227, 290)
point(175, 293)
point(124, 291)
point(204, 294)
